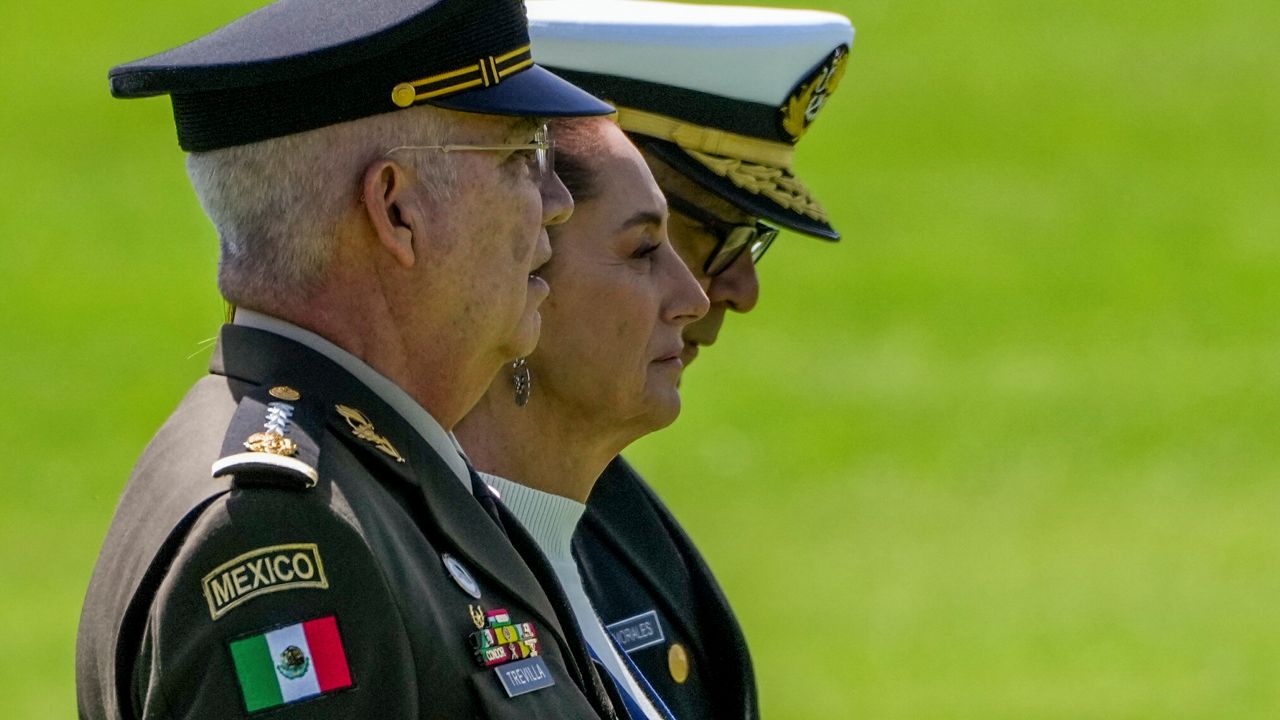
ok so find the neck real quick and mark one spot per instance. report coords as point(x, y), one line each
point(536, 445)
point(439, 371)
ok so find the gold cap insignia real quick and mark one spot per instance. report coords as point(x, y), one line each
point(802, 106)
point(362, 428)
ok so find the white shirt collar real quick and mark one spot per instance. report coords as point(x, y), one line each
point(417, 416)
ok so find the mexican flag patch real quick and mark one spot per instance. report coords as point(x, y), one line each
point(292, 663)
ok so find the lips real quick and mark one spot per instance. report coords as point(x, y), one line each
point(674, 354)
point(535, 278)
point(539, 286)
point(689, 352)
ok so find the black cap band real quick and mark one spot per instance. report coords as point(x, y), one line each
point(261, 77)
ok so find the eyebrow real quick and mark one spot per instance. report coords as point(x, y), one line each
point(524, 126)
point(644, 217)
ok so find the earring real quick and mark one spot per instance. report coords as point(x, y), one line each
point(522, 380)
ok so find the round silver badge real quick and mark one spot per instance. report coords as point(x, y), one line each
point(460, 575)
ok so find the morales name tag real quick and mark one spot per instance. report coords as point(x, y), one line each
point(524, 676)
point(637, 633)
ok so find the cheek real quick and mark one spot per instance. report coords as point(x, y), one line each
point(604, 320)
point(502, 223)
point(525, 230)
point(629, 315)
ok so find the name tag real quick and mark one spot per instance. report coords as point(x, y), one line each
point(637, 633)
point(524, 676)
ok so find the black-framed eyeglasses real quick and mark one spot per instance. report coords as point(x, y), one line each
point(732, 239)
point(542, 155)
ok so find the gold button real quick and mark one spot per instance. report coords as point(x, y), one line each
point(403, 95)
point(284, 392)
point(678, 663)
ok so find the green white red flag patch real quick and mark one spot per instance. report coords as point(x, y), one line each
point(290, 664)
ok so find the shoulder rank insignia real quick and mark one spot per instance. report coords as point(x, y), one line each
point(268, 442)
point(802, 105)
point(362, 427)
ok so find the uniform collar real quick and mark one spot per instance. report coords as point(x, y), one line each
point(393, 395)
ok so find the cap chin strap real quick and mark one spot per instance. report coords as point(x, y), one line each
point(699, 138)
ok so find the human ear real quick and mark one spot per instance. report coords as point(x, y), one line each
point(395, 212)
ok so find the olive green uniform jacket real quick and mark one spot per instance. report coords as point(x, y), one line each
point(194, 567)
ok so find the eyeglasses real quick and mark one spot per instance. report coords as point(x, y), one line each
point(541, 152)
point(732, 239)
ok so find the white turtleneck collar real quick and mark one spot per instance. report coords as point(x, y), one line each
point(550, 519)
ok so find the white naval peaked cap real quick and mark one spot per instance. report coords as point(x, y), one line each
point(721, 93)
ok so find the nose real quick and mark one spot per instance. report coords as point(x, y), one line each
point(738, 286)
point(686, 302)
point(557, 203)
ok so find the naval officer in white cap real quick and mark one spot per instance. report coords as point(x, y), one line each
point(717, 99)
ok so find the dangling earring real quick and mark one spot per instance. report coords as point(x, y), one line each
point(522, 380)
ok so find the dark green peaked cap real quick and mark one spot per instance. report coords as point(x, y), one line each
point(298, 65)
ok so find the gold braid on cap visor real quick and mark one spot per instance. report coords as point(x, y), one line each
point(483, 72)
point(758, 166)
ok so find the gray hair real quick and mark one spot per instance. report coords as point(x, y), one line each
point(278, 204)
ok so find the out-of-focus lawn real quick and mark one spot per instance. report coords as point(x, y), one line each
point(1008, 451)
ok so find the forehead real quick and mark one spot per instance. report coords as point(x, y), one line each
point(622, 176)
point(503, 126)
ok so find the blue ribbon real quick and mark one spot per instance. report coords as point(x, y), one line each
point(632, 705)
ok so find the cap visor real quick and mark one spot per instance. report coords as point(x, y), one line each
point(751, 203)
point(535, 91)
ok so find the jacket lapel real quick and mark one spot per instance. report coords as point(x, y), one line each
point(456, 513)
point(687, 591)
point(617, 494)
point(264, 358)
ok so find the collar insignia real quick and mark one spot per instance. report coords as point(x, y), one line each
point(362, 428)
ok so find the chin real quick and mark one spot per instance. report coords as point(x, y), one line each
point(525, 338)
point(664, 410)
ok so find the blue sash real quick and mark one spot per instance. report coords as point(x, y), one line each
point(633, 706)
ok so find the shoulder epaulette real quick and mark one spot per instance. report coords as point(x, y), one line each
point(272, 440)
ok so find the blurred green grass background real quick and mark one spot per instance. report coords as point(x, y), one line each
point(1008, 451)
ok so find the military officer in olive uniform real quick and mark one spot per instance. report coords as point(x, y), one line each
point(301, 538)
point(717, 99)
